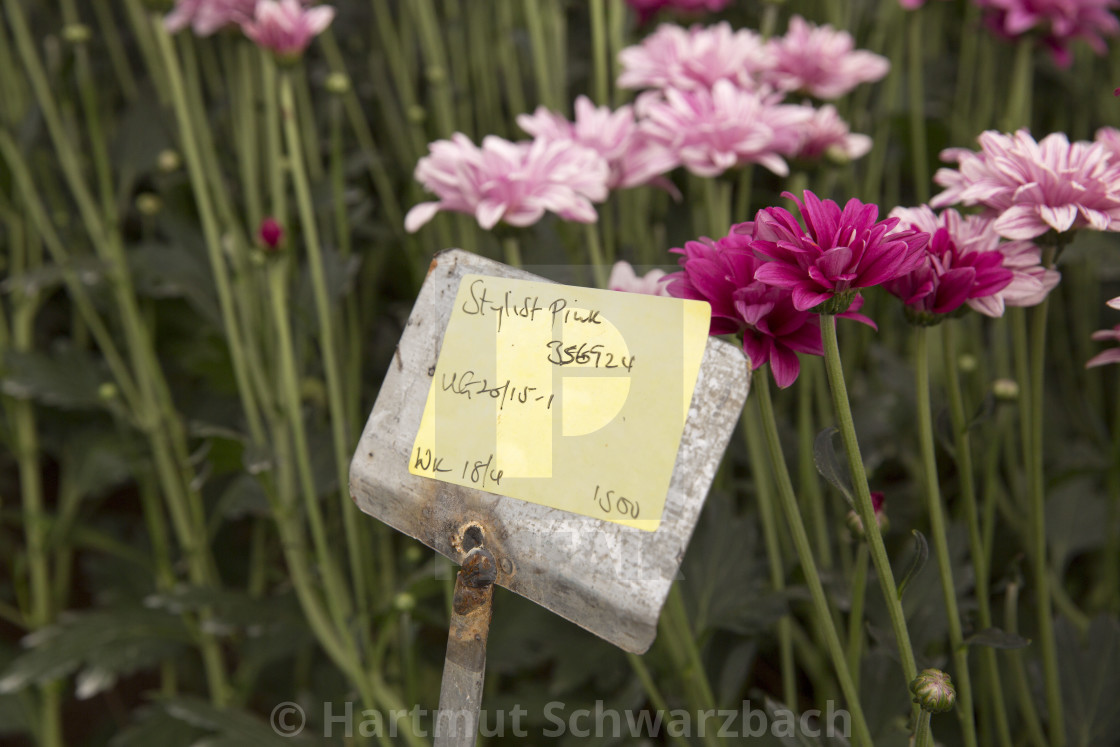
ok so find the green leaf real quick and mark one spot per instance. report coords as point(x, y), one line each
point(726, 579)
point(1090, 681)
point(100, 646)
point(1076, 520)
point(996, 638)
point(830, 465)
point(67, 377)
point(89, 270)
point(921, 555)
point(177, 270)
point(154, 725)
point(231, 726)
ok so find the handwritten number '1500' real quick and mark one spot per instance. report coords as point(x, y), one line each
point(584, 354)
point(611, 502)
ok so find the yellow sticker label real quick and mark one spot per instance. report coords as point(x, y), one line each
point(573, 398)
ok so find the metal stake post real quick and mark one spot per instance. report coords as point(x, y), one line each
point(460, 695)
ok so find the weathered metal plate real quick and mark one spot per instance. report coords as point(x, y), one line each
point(605, 577)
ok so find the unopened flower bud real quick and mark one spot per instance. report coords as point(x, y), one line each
point(1005, 390)
point(168, 160)
point(855, 523)
point(270, 236)
point(107, 391)
point(967, 362)
point(836, 154)
point(933, 691)
point(417, 114)
point(76, 33)
point(148, 203)
point(404, 602)
point(338, 83)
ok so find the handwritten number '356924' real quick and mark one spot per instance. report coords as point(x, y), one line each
point(611, 502)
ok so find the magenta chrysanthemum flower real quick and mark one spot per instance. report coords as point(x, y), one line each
point(1032, 188)
point(205, 17)
point(623, 278)
point(1058, 21)
point(686, 59)
point(634, 158)
point(711, 132)
point(836, 252)
point(285, 27)
point(826, 134)
point(774, 330)
point(1112, 355)
point(647, 8)
point(511, 182)
point(962, 263)
point(270, 235)
point(821, 61)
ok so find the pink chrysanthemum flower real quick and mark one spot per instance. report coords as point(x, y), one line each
point(647, 8)
point(1113, 303)
point(634, 158)
point(1058, 21)
point(623, 278)
point(774, 330)
point(511, 182)
point(826, 134)
point(1034, 187)
point(285, 27)
point(962, 263)
point(711, 132)
point(1112, 355)
point(1032, 281)
point(835, 253)
point(821, 61)
point(686, 59)
point(270, 235)
point(205, 17)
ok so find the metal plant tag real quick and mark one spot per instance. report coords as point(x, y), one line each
point(603, 415)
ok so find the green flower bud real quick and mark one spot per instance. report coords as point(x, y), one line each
point(76, 33)
point(933, 691)
point(404, 602)
point(107, 391)
point(168, 161)
point(1005, 390)
point(148, 203)
point(338, 83)
point(967, 363)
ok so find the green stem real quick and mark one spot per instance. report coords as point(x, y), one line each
point(436, 71)
point(919, 151)
point(211, 232)
point(940, 536)
point(963, 446)
point(681, 641)
point(804, 550)
point(923, 732)
point(539, 45)
point(764, 490)
point(595, 255)
point(1018, 113)
point(599, 67)
point(866, 511)
point(652, 692)
point(1037, 490)
point(1027, 710)
point(329, 355)
point(855, 619)
point(512, 251)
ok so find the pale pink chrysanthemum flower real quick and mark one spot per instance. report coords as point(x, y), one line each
point(1109, 137)
point(820, 61)
point(647, 8)
point(1112, 355)
point(826, 134)
point(1059, 22)
point(285, 27)
point(634, 158)
point(1035, 187)
point(624, 278)
point(1023, 279)
point(711, 132)
point(1113, 303)
point(687, 59)
point(206, 17)
point(509, 182)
